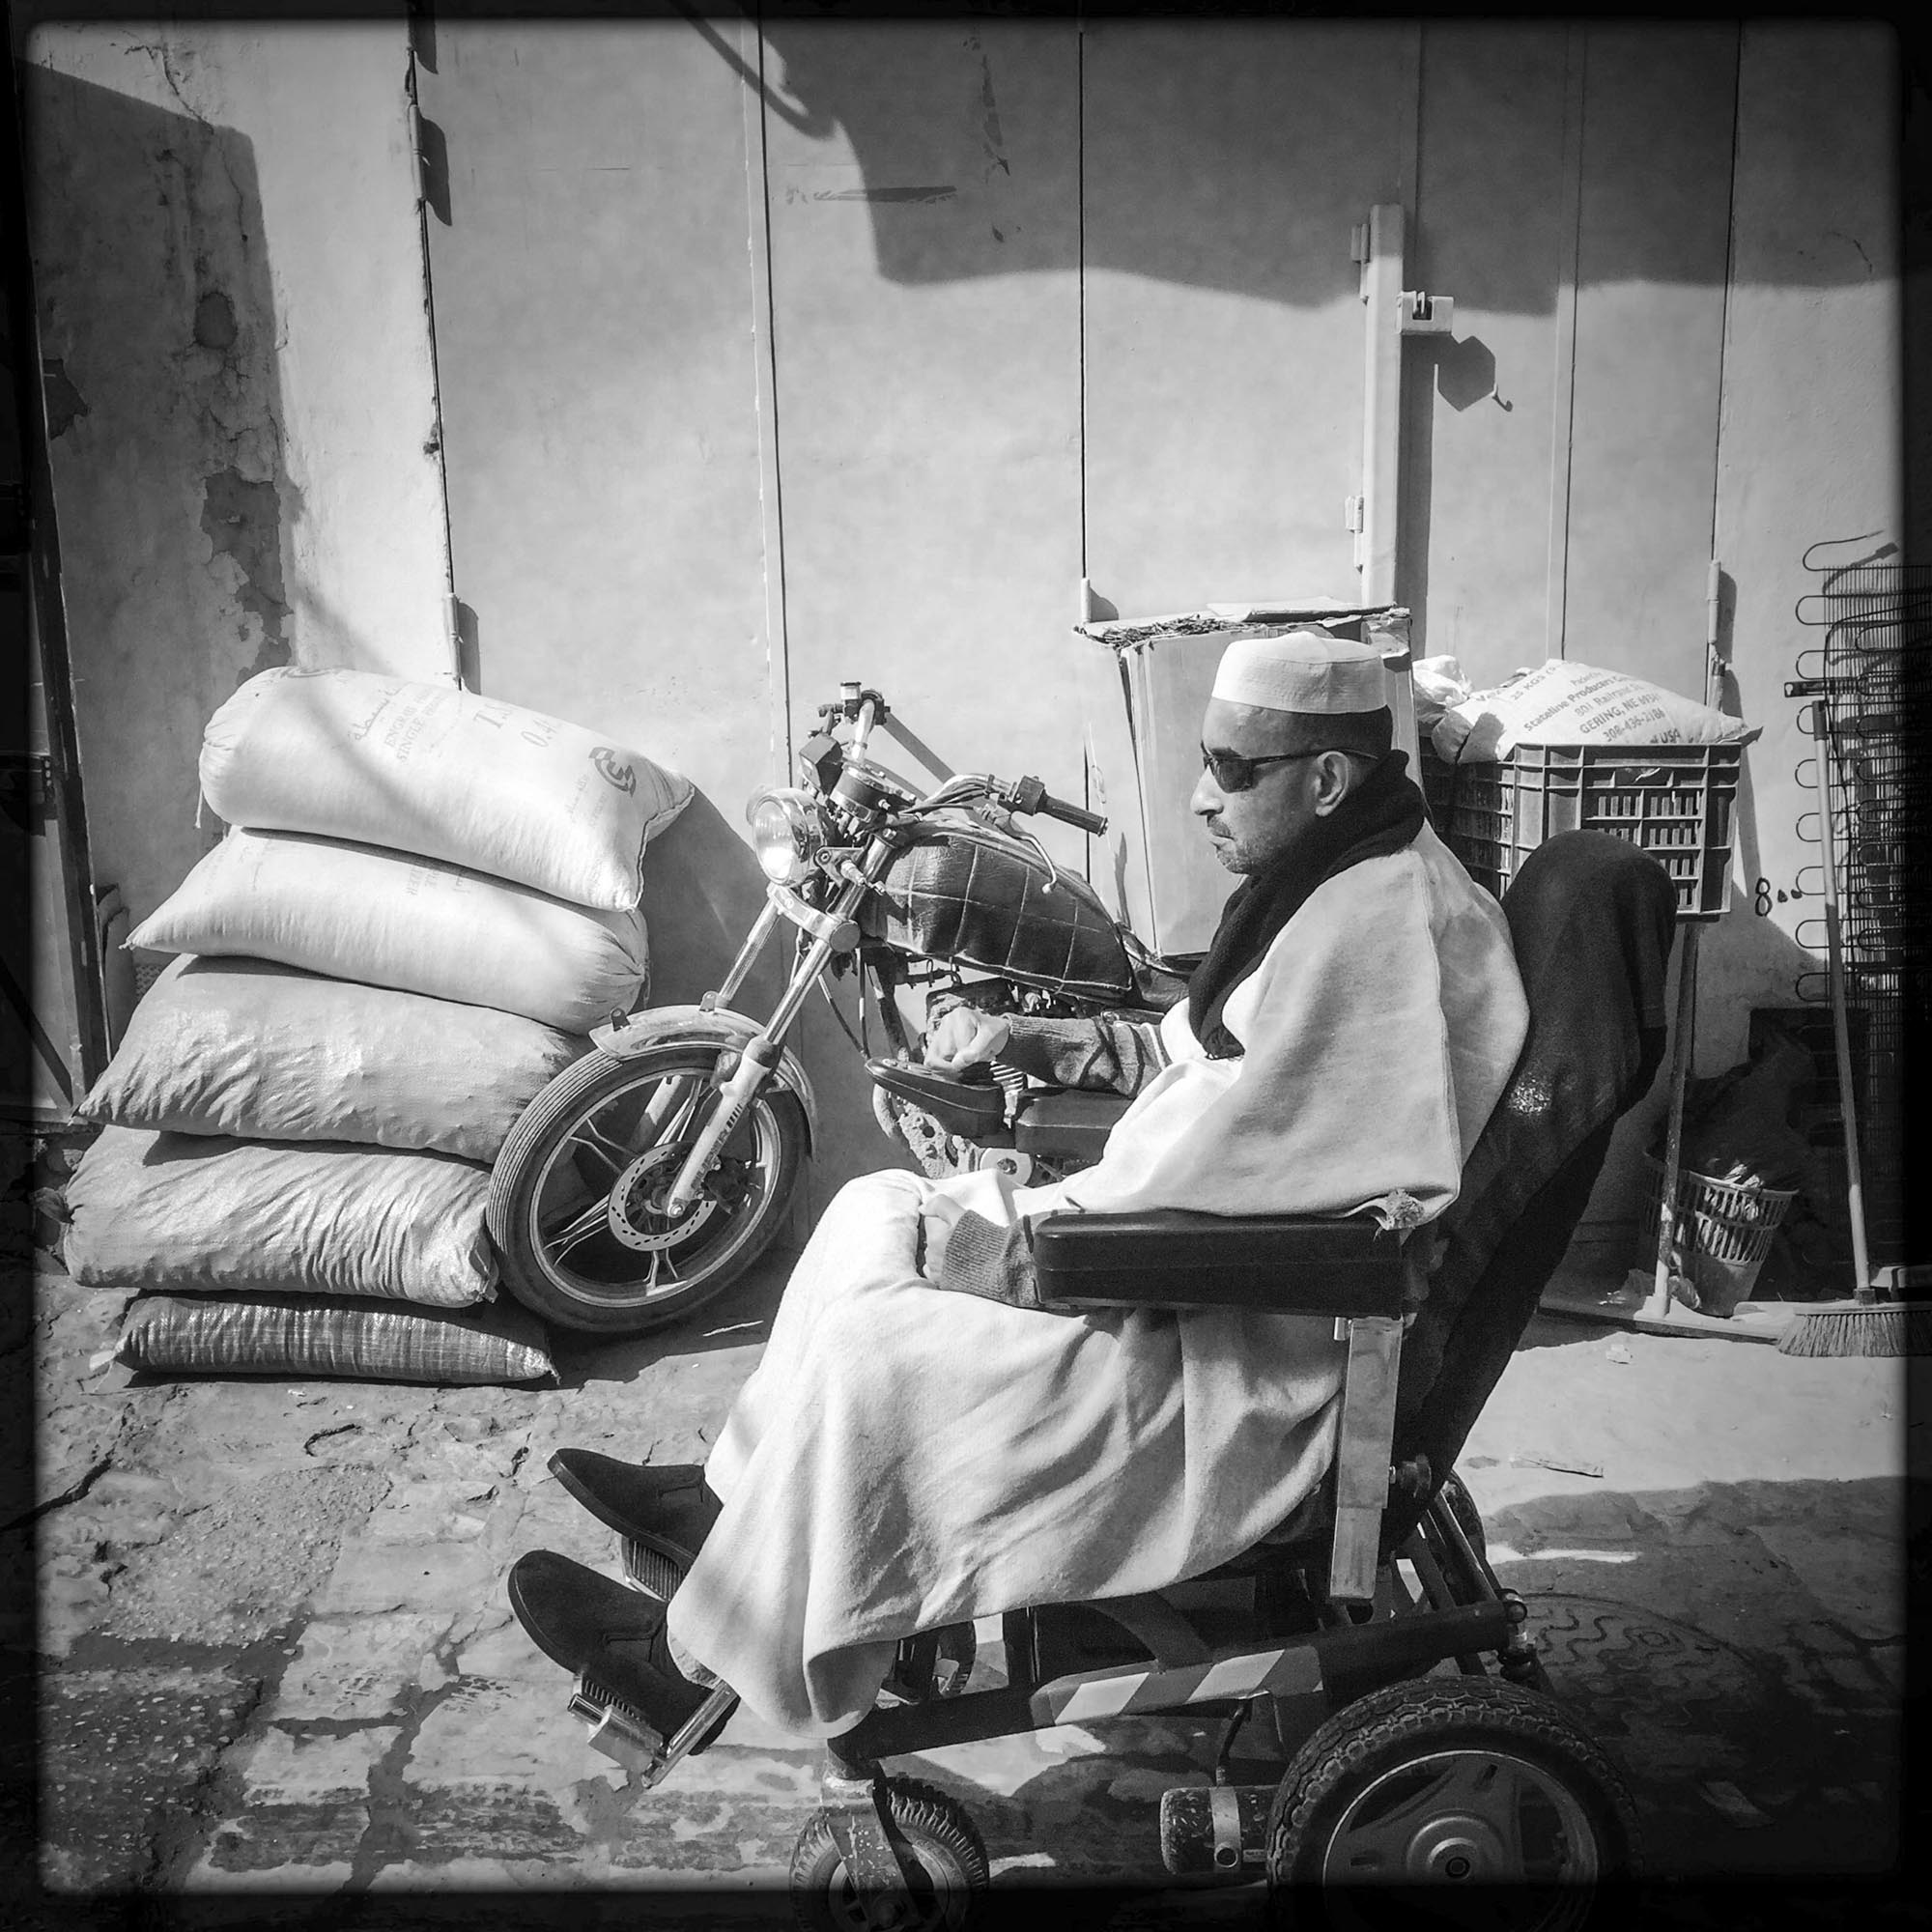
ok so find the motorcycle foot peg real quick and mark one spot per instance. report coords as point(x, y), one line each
point(1215, 1830)
point(649, 1572)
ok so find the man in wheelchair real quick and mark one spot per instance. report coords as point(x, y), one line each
point(1139, 1375)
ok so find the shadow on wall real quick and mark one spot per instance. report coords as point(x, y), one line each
point(703, 889)
point(920, 111)
point(164, 408)
point(950, 198)
point(1747, 971)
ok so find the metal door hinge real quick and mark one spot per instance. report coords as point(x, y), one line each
point(431, 160)
point(454, 610)
point(1351, 514)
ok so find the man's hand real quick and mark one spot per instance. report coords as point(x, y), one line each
point(938, 1218)
point(965, 1037)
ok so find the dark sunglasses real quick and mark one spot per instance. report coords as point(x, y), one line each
point(1235, 773)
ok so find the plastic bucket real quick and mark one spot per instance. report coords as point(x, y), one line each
point(1724, 1229)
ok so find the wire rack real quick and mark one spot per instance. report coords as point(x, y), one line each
point(1873, 674)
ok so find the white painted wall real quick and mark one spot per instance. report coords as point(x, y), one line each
point(1810, 442)
point(229, 272)
point(329, 115)
point(981, 341)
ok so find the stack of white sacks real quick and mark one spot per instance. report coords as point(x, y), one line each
point(423, 904)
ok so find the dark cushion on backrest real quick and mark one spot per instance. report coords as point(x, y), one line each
point(1591, 919)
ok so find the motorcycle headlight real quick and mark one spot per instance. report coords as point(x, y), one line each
point(784, 832)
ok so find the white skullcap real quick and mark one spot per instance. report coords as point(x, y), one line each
point(1305, 672)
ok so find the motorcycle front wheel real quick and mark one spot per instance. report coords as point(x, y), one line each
point(577, 1194)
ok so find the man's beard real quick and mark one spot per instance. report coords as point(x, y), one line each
point(1234, 857)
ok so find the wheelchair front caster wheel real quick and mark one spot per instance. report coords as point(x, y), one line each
point(1451, 1803)
point(940, 1842)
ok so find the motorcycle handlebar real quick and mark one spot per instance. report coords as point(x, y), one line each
point(1029, 795)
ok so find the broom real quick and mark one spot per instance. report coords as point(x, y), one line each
point(1864, 1325)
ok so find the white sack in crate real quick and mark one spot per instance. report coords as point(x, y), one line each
point(417, 924)
point(268, 1053)
point(186, 1212)
point(425, 768)
point(1564, 703)
point(1439, 684)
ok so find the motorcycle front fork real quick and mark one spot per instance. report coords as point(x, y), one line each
point(832, 933)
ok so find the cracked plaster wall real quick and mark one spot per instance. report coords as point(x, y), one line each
point(239, 388)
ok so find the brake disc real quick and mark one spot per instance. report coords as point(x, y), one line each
point(637, 1193)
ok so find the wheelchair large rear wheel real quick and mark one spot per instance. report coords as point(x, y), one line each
point(1447, 1803)
point(947, 1887)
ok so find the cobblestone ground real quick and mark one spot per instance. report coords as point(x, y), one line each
point(275, 1675)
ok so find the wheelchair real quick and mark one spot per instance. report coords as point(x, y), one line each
point(1405, 1783)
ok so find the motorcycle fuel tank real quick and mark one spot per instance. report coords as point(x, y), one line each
point(979, 899)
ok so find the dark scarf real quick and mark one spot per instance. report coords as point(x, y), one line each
point(1379, 817)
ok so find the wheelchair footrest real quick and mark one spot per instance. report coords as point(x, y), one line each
point(627, 1737)
point(616, 1728)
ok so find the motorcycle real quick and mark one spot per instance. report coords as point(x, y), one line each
point(651, 1174)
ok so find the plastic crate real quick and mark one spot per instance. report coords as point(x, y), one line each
point(1674, 801)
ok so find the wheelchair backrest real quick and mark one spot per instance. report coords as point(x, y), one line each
point(1591, 919)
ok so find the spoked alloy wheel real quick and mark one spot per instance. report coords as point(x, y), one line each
point(1441, 1803)
point(576, 1197)
point(948, 1888)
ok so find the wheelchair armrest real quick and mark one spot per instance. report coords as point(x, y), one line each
point(1074, 1121)
point(1171, 1258)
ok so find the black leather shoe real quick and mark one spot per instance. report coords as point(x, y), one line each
point(598, 1629)
point(663, 1511)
